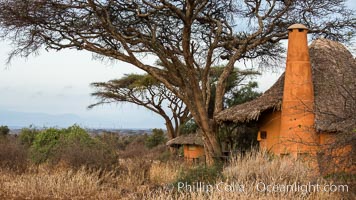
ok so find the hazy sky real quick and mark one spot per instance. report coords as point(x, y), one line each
point(58, 83)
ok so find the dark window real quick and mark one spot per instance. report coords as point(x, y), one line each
point(300, 30)
point(263, 134)
point(284, 155)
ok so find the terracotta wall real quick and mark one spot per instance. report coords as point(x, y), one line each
point(270, 123)
point(193, 151)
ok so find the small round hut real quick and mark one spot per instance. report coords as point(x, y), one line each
point(193, 146)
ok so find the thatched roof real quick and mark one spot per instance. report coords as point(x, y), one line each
point(334, 72)
point(250, 111)
point(195, 139)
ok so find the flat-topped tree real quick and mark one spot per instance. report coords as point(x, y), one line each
point(144, 90)
point(187, 36)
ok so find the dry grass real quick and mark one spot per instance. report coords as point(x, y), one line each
point(60, 184)
point(255, 168)
point(132, 179)
point(260, 166)
point(163, 173)
point(147, 179)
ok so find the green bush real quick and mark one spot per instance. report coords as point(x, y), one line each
point(45, 144)
point(73, 146)
point(27, 136)
point(76, 134)
point(4, 130)
point(156, 138)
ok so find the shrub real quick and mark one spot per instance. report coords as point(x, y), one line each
point(165, 155)
point(114, 140)
point(136, 148)
point(4, 130)
point(95, 155)
point(27, 136)
point(72, 146)
point(45, 145)
point(13, 156)
point(155, 139)
point(76, 134)
point(160, 152)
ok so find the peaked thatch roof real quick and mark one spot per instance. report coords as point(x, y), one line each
point(334, 80)
point(195, 139)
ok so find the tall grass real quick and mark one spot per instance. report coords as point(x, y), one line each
point(259, 166)
point(163, 173)
point(60, 184)
point(144, 177)
point(243, 174)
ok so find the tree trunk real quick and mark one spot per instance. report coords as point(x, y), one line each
point(211, 145)
point(171, 132)
point(196, 105)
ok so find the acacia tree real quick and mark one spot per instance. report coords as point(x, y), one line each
point(144, 90)
point(187, 36)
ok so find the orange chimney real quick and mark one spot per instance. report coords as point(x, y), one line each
point(297, 133)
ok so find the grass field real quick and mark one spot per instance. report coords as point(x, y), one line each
point(140, 173)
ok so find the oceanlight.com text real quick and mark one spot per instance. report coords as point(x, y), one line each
point(303, 188)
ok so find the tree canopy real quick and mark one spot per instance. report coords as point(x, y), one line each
point(187, 36)
point(144, 90)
